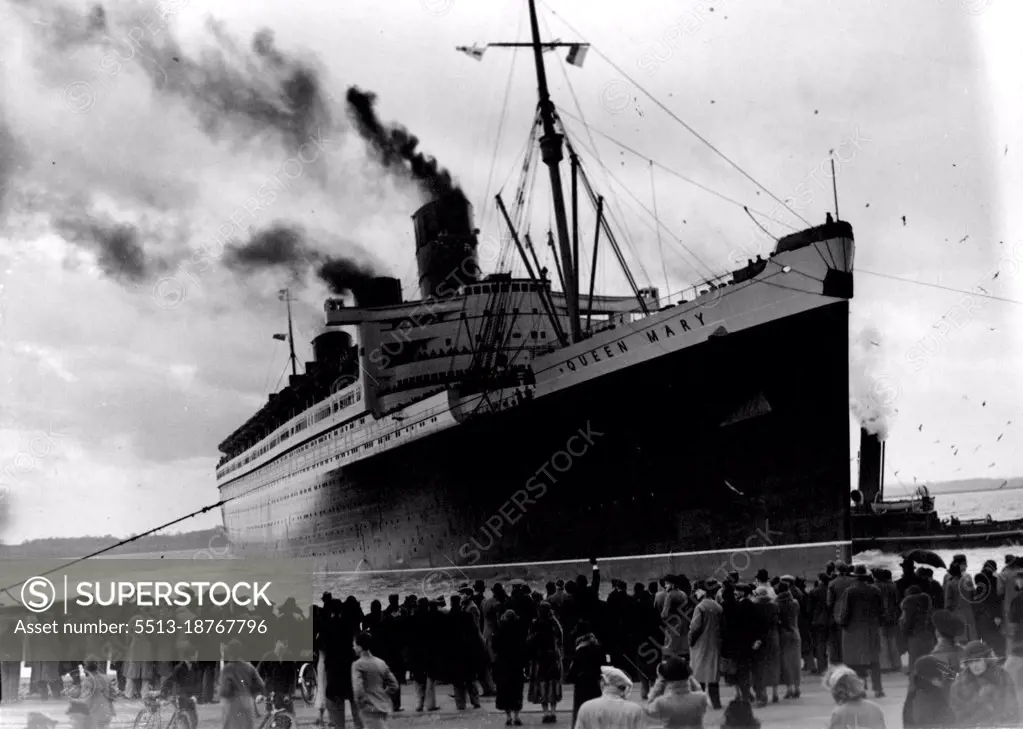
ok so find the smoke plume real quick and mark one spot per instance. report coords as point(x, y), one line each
point(119, 252)
point(873, 395)
point(396, 147)
point(152, 154)
point(287, 246)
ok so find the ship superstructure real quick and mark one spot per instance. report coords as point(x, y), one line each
point(608, 426)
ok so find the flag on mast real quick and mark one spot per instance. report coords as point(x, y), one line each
point(281, 337)
point(282, 295)
point(474, 51)
point(577, 54)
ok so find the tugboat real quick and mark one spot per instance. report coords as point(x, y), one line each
point(912, 523)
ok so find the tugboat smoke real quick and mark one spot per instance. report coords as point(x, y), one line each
point(871, 402)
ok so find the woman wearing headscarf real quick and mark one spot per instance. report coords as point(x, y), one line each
point(766, 646)
point(544, 647)
point(852, 708)
point(612, 710)
point(585, 670)
point(983, 694)
point(915, 625)
point(789, 642)
point(239, 685)
point(928, 702)
point(509, 644)
point(675, 698)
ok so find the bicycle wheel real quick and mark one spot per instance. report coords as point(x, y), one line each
point(147, 719)
point(180, 720)
point(307, 682)
point(281, 720)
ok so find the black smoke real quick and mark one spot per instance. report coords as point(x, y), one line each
point(249, 90)
point(119, 250)
point(396, 148)
point(286, 246)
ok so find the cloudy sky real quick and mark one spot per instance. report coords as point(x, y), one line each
point(135, 141)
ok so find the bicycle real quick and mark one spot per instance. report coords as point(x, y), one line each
point(307, 682)
point(276, 718)
point(149, 715)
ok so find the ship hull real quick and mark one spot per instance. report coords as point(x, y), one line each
point(726, 456)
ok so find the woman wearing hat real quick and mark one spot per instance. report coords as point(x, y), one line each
point(852, 708)
point(675, 700)
point(915, 627)
point(983, 695)
point(928, 702)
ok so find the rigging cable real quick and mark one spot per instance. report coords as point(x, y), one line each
point(676, 173)
point(678, 119)
point(575, 99)
point(927, 284)
point(660, 247)
point(500, 126)
point(629, 192)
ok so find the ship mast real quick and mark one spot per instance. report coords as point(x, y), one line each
point(285, 295)
point(551, 153)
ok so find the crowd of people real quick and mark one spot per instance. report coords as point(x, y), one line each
point(675, 639)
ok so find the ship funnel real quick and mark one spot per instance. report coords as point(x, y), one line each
point(445, 245)
point(871, 465)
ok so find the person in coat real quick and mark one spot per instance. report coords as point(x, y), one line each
point(466, 654)
point(819, 620)
point(842, 581)
point(959, 596)
point(915, 627)
point(859, 613)
point(675, 620)
point(645, 639)
point(343, 624)
point(423, 646)
point(673, 700)
point(766, 667)
point(983, 694)
point(611, 710)
point(705, 642)
point(987, 607)
point(852, 709)
point(239, 685)
point(929, 700)
point(890, 656)
point(789, 641)
point(373, 684)
point(95, 694)
point(510, 663)
point(947, 627)
point(585, 669)
point(737, 637)
point(544, 648)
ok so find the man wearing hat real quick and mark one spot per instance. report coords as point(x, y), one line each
point(947, 627)
point(836, 588)
point(860, 610)
point(675, 619)
point(983, 694)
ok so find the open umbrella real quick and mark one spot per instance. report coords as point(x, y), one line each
point(925, 556)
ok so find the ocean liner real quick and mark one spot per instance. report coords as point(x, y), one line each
point(503, 420)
